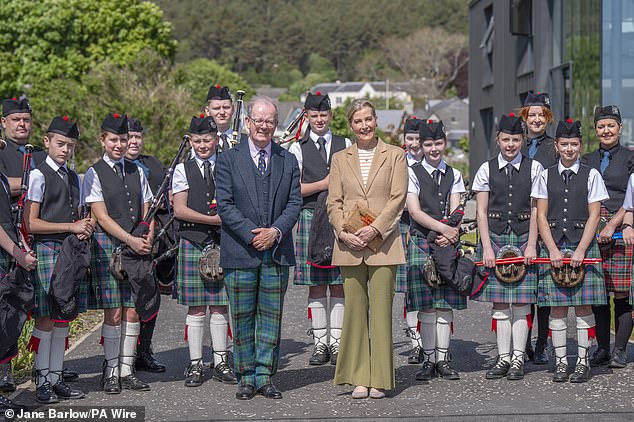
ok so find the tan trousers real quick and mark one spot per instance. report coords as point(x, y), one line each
point(366, 354)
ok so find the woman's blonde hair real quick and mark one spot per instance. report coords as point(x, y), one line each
point(357, 105)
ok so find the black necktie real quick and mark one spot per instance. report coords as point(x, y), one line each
point(118, 168)
point(322, 148)
point(509, 172)
point(62, 172)
point(436, 176)
point(262, 162)
point(207, 172)
point(567, 175)
point(225, 144)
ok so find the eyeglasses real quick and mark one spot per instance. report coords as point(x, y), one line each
point(262, 122)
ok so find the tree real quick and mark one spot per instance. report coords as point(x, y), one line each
point(42, 40)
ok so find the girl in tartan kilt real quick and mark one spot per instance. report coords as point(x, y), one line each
point(628, 237)
point(615, 163)
point(52, 211)
point(433, 193)
point(199, 227)
point(119, 195)
point(569, 197)
point(507, 217)
point(314, 153)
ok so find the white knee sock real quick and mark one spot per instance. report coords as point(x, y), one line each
point(428, 335)
point(412, 324)
point(502, 322)
point(319, 319)
point(58, 347)
point(584, 341)
point(520, 330)
point(41, 341)
point(194, 326)
point(558, 328)
point(218, 324)
point(111, 341)
point(336, 320)
point(444, 318)
point(129, 338)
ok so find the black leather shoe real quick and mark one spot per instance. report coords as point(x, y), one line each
point(581, 374)
point(530, 353)
point(334, 354)
point(111, 385)
point(224, 374)
point(561, 373)
point(63, 391)
point(415, 356)
point(445, 371)
point(427, 372)
point(600, 357)
point(321, 355)
point(540, 358)
point(145, 360)
point(245, 392)
point(69, 376)
point(44, 394)
point(132, 382)
point(6, 378)
point(194, 375)
point(516, 371)
point(499, 370)
point(6, 403)
point(270, 391)
point(619, 358)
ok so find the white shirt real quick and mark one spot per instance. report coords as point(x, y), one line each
point(296, 147)
point(410, 160)
point(414, 184)
point(179, 179)
point(628, 204)
point(481, 179)
point(92, 185)
point(37, 182)
point(597, 191)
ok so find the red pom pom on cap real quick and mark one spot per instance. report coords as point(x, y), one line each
point(511, 114)
point(65, 118)
point(414, 117)
point(430, 121)
point(202, 115)
point(116, 116)
point(15, 99)
point(318, 93)
point(568, 120)
point(218, 86)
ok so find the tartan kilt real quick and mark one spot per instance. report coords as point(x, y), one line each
point(420, 295)
point(108, 292)
point(47, 253)
point(5, 262)
point(305, 274)
point(191, 289)
point(494, 291)
point(617, 262)
point(401, 271)
point(590, 292)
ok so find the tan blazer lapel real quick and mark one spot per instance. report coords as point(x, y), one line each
point(380, 155)
point(355, 166)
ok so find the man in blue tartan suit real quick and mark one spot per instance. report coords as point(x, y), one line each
point(259, 201)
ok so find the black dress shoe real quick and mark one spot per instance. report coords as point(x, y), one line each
point(445, 371)
point(516, 371)
point(6, 403)
point(415, 356)
point(63, 391)
point(111, 385)
point(561, 373)
point(334, 353)
point(194, 375)
point(321, 355)
point(224, 374)
point(499, 370)
point(145, 361)
point(600, 357)
point(619, 358)
point(427, 372)
point(6, 378)
point(540, 358)
point(270, 391)
point(44, 394)
point(132, 382)
point(245, 392)
point(581, 374)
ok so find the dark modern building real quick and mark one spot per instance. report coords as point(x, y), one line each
point(579, 51)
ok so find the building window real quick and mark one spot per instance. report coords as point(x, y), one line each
point(338, 100)
point(521, 17)
point(487, 47)
point(486, 116)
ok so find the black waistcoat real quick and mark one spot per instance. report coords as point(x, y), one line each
point(314, 168)
point(157, 171)
point(509, 203)
point(616, 174)
point(6, 216)
point(60, 202)
point(546, 154)
point(434, 199)
point(568, 205)
point(263, 190)
point(199, 199)
point(122, 197)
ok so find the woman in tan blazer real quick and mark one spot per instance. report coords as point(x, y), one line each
point(371, 174)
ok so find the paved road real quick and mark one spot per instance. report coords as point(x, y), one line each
point(310, 394)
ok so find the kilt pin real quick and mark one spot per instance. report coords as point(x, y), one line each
point(306, 274)
point(617, 262)
point(521, 292)
point(191, 289)
point(420, 295)
point(108, 292)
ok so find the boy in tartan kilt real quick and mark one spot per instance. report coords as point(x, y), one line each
point(433, 193)
point(507, 217)
point(194, 190)
point(119, 195)
point(313, 153)
point(569, 197)
point(52, 213)
point(615, 163)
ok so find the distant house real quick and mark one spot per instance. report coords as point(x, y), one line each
point(339, 92)
point(453, 112)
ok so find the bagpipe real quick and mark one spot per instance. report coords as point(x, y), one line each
point(296, 126)
point(236, 128)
